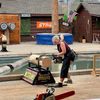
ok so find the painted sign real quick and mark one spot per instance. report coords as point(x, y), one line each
point(43, 25)
point(25, 15)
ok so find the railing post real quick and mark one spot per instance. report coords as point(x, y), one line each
point(94, 64)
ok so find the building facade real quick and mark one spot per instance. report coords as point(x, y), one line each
point(87, 24)
point(35, 16)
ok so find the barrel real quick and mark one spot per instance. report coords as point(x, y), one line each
point(46, 38)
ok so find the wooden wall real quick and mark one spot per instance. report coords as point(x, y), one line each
point(83, 26)
point(34, 29)
point(14, 36)
point(96, 28)
point(36, 19)
point(63, 28)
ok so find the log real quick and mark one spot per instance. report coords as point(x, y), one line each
point(5, 70)
point(13, 66)
point(43, 61)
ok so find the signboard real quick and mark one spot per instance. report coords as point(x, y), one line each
point(26, 15)
point(43, 25)
point(29, 76)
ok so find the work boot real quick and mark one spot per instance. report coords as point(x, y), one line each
point(68, 81)
point(59, 84)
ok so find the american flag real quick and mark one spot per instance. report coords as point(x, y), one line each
point(71, 16)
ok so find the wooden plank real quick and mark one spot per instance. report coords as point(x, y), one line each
point(11, 77)
point(21, 90)
point(94, 71)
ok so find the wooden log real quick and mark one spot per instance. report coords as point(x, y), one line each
point(19, 64)
point(5, 70)
point(13, 66)
point(43, 61)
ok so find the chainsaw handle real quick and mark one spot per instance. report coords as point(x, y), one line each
point(50, 90)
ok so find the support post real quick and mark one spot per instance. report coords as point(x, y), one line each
point(55, 19)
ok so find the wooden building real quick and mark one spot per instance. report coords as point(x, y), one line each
point(88, 22)
point(35, 15)
point(13, 36)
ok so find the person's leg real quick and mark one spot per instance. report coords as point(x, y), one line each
point(68, 75)
point(61, 80)
point(64, 69)
point(5, 46)
point(69, 80)
point(60, 84)
point(62, 73)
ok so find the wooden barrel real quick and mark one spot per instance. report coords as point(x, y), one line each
point(43, 61)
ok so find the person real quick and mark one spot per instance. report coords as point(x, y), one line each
point(63, 50)
point(4, 42)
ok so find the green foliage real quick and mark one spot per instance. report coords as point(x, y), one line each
point(65, 18)
point(25, 26)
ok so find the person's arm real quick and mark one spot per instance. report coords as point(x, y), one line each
point(63, 48)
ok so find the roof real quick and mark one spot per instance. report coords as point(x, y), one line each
point(27, 6)
point(92, 8)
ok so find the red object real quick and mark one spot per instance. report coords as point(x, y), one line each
point(64, 95)
point(40, 96)
point(57, 97)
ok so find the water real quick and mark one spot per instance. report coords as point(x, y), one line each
point(5, 60)
point(20, 71)
point(86, 63)
point(79, 64)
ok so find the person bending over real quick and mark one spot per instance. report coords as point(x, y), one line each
point(63, 50)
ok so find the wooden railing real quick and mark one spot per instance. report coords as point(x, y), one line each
point(94, 71)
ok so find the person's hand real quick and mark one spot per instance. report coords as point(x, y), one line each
point(56, 54)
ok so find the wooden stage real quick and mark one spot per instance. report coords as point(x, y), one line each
point(85, 86)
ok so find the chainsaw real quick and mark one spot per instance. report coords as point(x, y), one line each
point(50, 96)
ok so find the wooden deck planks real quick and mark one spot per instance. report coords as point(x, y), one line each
point(85, 86)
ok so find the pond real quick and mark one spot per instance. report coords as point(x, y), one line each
point(6, 60)
point(82, 62)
